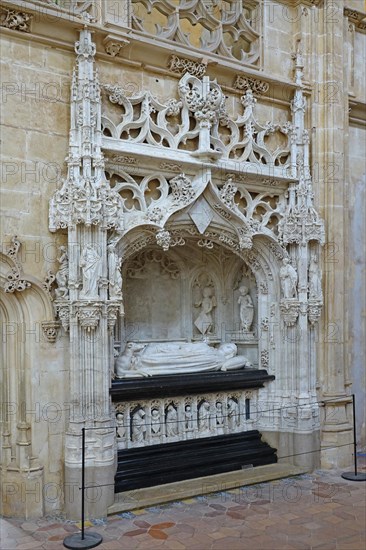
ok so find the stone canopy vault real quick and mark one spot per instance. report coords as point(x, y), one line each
point(227, 201)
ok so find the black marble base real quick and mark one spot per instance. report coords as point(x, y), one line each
point(126, 389)
point(166, 463)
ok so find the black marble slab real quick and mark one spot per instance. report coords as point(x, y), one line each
point(169, 462)
point(127, 389)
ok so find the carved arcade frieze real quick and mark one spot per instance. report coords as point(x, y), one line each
point(166, 420)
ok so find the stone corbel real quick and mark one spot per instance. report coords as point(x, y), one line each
point(290, 311)
point(182, 65)
point(113, 311)
point(15, 20)
point(114, 44)
point(50, 330)
point(245, 83)
point(314, 311)
point(62, 309)
point(88, 315)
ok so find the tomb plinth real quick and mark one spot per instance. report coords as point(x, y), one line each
point(174, 385)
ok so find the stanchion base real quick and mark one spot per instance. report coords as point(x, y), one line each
point(90, 540)
point(351, 476)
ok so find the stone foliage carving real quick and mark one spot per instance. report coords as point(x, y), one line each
point(231, 34)
point(15, 282)
point(15, 20)
point(183, 65)
point(50, 330)
point(179, 418)
point(182, 190)
point(290, 312)
point(254, 84)
point(88, 315)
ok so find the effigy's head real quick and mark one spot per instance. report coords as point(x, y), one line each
point(229, 350)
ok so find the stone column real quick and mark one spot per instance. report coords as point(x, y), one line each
point(330, 111)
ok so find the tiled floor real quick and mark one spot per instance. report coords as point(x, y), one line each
point(319, 511)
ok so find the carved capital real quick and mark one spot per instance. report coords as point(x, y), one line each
point(114, 44)
point(50, 330)
point(89, 315)
point(290, 310)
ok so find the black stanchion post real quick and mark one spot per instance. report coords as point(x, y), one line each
point(82, 539)
point(354, 476)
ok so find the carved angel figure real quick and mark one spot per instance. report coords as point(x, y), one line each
point(114, 272)
point(204, 320)
point(246, 308)
point(288, 276)
point(62, 274)
point(90, 264)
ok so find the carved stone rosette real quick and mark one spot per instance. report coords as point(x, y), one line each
point(290, 310)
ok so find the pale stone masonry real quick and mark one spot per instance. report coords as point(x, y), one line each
point(178, 146)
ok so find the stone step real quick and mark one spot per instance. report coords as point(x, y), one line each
point(150, 496)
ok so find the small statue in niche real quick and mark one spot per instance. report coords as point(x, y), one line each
point(204, 417)
point(204, 320)
point(188, 418)
point(138, 426)
point(114, 272)
point(62, 274)
point(155, 422)
point(219, 415)
point(121, 428)
point(246, 309)
point(233, 413)
point(315, 284)
point(171, 421)
point(90, 265)
point(288, 277)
